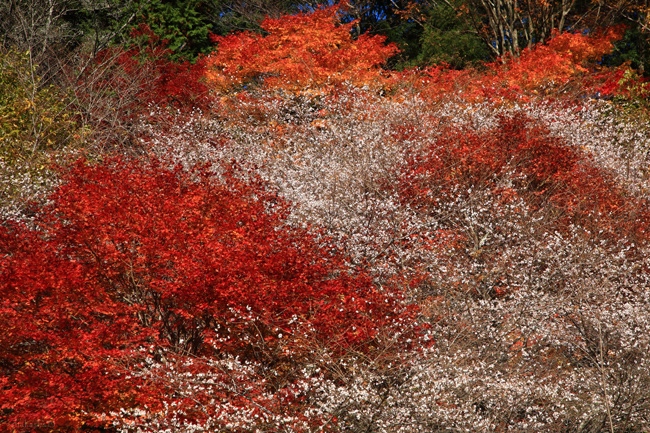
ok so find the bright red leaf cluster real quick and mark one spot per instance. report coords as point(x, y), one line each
point(61, 336)
point(554, 64)
point(133, 255)
point(560, 68)
point(545, 171)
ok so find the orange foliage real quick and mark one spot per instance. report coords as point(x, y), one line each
point(561, 67)
point(299, 51)
point(564, 57)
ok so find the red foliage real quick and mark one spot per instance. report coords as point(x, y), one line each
point(178, 85)
point(560, 67)
point(61, 335)
point(543, 170)
point(132, 254)
point(118, 88)
point(554, 64)
point(623, 83)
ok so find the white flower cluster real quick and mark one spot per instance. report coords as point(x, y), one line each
point(21, 186)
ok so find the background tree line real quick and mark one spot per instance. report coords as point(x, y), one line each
point(62, 62)
point(459, 32)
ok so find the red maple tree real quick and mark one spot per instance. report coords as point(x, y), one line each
point(132, 256)
point(299, 51)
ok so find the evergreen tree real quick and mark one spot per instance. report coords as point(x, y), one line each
point(448, 38)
